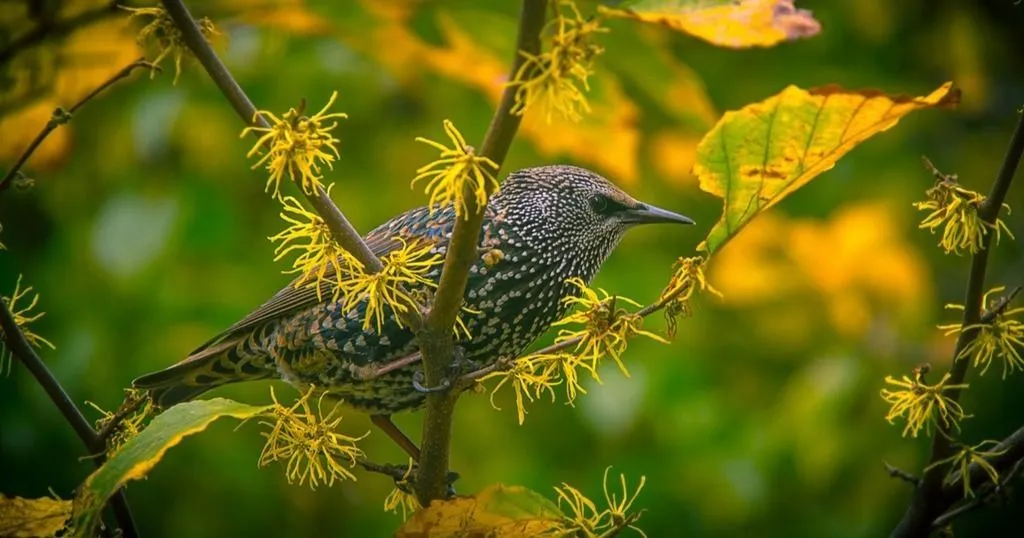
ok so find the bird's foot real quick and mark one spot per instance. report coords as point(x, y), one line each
point(418, 380)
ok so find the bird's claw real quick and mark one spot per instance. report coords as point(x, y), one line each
point(417, 383)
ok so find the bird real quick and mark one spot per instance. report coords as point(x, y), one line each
point(543, 226)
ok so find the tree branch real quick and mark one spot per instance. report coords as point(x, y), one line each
point(22, 350)
point(341, 229)
point(1008, 464)
point(927, 502)
point(49, 28)
point(61, 116)
point(436, 342)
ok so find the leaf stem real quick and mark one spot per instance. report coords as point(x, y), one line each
point(928, 501)
point(436, 341)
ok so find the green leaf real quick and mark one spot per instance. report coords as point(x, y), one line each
point(498, 511)
point(726, 23)
point(142, 452)
point(32, 518)
point(760, 154)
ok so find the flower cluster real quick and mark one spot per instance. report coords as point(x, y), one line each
point(456, 170)
point(921, 404)
point(404, 268)
point(687, 278)
point(127, 422)
point(296, 144)
point(606, 329)
point(165, 35)
point(306, 441)
point(23, 316)
point(551, 80)
point(998, 335)
point(584, 519)
point(530, 377)
point(402, 496)
point(960, 464)
point(955, 210)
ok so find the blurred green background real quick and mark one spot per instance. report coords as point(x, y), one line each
point(146, 233)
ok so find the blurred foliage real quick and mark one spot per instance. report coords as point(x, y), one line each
point(146, 233)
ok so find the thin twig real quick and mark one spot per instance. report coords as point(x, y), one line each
point(896, 472)
point(22, 350)
point(927, 502)
point(436, 339)
point(61, 116)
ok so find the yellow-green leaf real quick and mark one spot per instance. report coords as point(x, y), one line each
point(142, 452)
point(498, 511)
point(32, 518)
point(760, 154)
point(726, 23)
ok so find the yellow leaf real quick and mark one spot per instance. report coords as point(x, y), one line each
point(32, 518)
point(726, 23)
point(496, 512)
point(760, 154)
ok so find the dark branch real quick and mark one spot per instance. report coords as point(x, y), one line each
point(928, 500)
point(436, 342)
point(896, 472)
point(1008, 464)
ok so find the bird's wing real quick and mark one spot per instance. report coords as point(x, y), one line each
point(291, 298)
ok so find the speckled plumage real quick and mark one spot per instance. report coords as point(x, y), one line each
point(545, 225)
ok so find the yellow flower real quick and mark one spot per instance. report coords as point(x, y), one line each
point(165, 36)
point(402, 496)
point(296, 144)
point(22, 318)
point(960, 464)
point(585, 520)
point(687, 277)
point(319, 255)
point(403, 268)
point(456, 168)
point(551, 80)
point(606, 330)
point(955, 209)
point(529, 377)
point(921, 404)
point(307, 443)
point(998, 338)
point(127, 426)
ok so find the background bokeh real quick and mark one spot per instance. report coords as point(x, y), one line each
point(146, 231)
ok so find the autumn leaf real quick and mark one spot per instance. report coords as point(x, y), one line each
point(760, 154)
point(497, 511)
point(32, 518)
point(142, 452)
point(726, 23)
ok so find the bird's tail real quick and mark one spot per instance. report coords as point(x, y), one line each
point(219, 363)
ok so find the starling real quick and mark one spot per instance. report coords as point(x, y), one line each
point(544, 226)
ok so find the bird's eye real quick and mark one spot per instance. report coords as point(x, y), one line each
point(599, 204)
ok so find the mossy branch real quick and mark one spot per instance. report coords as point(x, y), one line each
point(928, 503)
point(436, 339)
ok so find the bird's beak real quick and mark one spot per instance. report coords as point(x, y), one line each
point(648, 214)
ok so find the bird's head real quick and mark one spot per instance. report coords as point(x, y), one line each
point(581, 211)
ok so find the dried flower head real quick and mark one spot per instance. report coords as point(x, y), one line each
point(23, 317)
point(165, 37)
point(955, 210)
point(296, 144)
point(921, 404)
point(687, 278)
point(457, 169)
point(127, 422)
point(998, 336)
point(307, 443)
point(606, 329)
point(552, 80)
point(402, 496)
point(584, 519)
point(320, 256)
